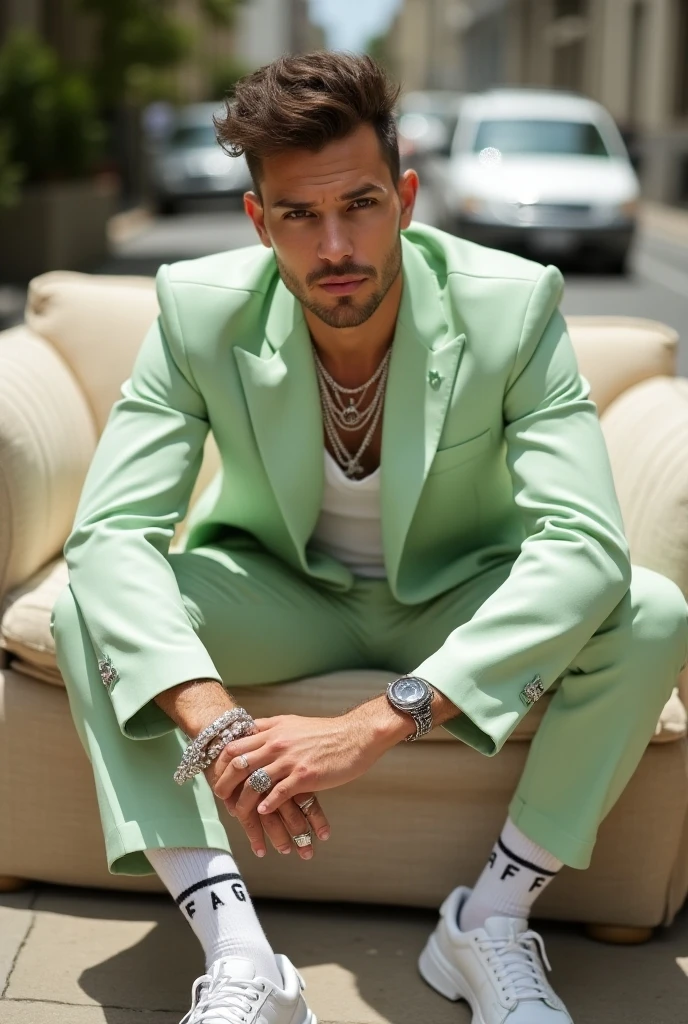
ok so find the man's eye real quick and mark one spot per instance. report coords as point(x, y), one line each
point(297, 214)
point(362, 204)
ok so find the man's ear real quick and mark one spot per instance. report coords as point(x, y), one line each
point(408, 190)
point(254, 209)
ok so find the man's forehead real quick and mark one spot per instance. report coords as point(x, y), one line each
point(340, 166)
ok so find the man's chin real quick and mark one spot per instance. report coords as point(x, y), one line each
point(343, 315)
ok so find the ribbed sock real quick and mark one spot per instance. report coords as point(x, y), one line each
point(209, 891)
point(517, 871)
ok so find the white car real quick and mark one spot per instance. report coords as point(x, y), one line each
point(543, 172)
point(190, 162)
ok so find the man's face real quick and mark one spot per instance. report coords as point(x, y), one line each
point(333, 220)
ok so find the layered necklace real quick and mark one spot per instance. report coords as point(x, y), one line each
point(343, 411)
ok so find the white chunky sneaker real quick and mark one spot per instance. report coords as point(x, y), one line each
point(496, 969)
point(230, 993)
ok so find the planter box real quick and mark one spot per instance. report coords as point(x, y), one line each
point(58, 226)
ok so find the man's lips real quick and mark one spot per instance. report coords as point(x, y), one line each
point(342, 286)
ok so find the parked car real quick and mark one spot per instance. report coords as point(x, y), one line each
point(426, 124)
point(542, 171)
point(190, 163)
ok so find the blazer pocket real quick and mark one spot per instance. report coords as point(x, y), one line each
point(449, 458)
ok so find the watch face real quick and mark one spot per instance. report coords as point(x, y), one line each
point(409, 691)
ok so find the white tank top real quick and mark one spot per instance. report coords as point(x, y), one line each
point(349, 527)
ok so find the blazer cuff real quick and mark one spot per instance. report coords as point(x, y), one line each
point(486, 721)
point(138, 715)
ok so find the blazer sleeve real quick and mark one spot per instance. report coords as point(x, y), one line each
point(137, 489)
point(573, 568)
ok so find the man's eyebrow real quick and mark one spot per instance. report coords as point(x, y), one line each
point(357, 193)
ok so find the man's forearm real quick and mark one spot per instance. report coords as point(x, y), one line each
point(195, 704)
point(394, 726)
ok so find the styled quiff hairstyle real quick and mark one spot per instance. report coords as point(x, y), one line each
point(306, 102)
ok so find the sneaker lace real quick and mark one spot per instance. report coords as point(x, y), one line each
point(224, 1001)
point(516, 964)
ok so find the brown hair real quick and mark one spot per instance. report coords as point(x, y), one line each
point(305, 102)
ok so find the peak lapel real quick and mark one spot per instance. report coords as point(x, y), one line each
point(425, 359)
point(281, 391)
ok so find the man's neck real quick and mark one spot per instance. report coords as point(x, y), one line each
point(352, 354)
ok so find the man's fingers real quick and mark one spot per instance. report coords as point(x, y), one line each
point(277, 832)
point(310, 807)
point(297, 825)
point(280, 792)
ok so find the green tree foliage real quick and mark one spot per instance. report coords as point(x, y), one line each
point(224, 76)
point(47, 114)
point(220, 12)
point(10, 172)
point(136, 39)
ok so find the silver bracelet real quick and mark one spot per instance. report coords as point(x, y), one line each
point(229, 726)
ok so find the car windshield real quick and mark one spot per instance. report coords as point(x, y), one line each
point(192, 135)
point(551, 138)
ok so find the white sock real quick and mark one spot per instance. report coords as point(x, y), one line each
point(517, 871)
point(209, 891)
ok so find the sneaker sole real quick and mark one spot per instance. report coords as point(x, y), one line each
point(445, 978)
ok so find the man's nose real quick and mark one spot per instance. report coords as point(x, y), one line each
point(335, 244)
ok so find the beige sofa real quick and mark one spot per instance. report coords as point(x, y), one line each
point(425, 817)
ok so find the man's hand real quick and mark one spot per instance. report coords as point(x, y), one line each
point(303, 756)
point(279, 827)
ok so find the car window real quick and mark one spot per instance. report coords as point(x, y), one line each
point(565, 138)
point(189, 136)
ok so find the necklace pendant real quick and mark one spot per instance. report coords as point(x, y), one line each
point(354, 469)
point(350, 416)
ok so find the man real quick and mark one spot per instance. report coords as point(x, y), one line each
point(413, 476)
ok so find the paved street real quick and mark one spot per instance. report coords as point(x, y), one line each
point(657, 288)
point(80, 956)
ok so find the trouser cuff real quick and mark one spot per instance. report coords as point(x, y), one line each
point(124, 845)
point(574, 852)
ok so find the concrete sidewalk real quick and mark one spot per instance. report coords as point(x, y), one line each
point(85, 956)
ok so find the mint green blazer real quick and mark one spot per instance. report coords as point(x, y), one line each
point(491, 452)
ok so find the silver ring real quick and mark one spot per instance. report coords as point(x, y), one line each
point(243, 761)
point(306, 805)
point(305, 839)
point(260, 781)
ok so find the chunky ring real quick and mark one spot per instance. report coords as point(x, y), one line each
point(243, 761)
point(260, 781)
point(306, 805)
point(305, 839)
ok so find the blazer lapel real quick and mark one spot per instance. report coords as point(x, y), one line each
point(281, 391)
point(423, 368)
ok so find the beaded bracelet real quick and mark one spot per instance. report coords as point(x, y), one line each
point(229, 726)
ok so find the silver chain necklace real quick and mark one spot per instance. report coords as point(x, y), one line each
point(334, 414)
point(349, 416)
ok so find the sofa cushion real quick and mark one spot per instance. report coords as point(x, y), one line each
point(25, 634)
point(616, 352)
point(97, 324)
point(646, 430)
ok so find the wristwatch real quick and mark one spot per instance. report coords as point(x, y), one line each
point(414, 696)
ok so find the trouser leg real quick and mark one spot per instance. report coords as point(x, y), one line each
point(140, 804)
point(601, 718)
point(603, 710)
point(261, 623)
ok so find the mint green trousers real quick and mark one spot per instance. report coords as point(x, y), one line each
point(262, 623)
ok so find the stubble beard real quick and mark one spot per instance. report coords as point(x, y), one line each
point(346, 313)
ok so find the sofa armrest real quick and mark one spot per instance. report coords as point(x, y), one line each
point(646, 430)
point(47, 439)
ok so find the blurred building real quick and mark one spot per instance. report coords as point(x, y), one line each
point(631, 55)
